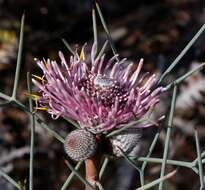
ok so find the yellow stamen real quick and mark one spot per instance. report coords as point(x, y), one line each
point(38, 77)
point(82, 55)
point(40, 108)
point(32, 95)
point(45, 63)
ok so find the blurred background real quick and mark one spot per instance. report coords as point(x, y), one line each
point(155, 30)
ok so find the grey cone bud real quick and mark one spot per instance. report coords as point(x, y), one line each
point(80, 144)
point(127, 141)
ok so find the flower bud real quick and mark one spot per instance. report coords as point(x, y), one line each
point(126, 141)
point(80, 144)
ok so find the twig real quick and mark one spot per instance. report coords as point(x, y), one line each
point(71, 176)
point(18, 65)
point(157, 181)
point(68, 46)
point(183, 77)
point(79, 176)
point(95, 34)
point(9, 179)
point(151, 148)
point(201, 176)
point(32, 135)
point(104, 166)
point(167, 139)
point(170, 162)
point(106, 30)
point(183, 52)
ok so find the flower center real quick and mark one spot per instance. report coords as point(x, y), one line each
point(105, 89)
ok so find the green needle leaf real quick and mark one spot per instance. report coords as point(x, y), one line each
point(18, 65)
point(183, 52)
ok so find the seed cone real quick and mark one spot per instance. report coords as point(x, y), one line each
point(80, 144)
point(127, 141)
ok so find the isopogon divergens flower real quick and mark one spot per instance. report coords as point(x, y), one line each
point(101, 96)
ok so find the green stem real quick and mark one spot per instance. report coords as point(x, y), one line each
point(68, 46)
point(104, 166)
point(39, 120)
point(124, 127)
point(144, 164)
point(182, 78)
point(51, 131)
point(75, 124)
point(157, 181)
point(10, 180)
point(183, 52)
point(201, 176)
point(95, 35)
point(86, 183)
point(167, 139)
point(18, 65)
point(106, 30)
point(170, 162)
point(5, 97)
point(102, 50)
point(32, 122)
point(71, 176)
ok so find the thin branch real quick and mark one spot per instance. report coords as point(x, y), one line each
point(104, 166)
point(201, 176)
point(51, 131)
point(32, 134)
point(183, 77)
point(170, 162)
point(167, 139)
point(72, 122)
point(79, 176)
point(5, 97)
point(9, 179)
point(19, 56)
point(157, 181)
point(68, 46)
point(40, 121)
point(71, 176)
point(151, 148)
point(102, 50)
point(106, 30)
point(183, 52)
point(95, 34)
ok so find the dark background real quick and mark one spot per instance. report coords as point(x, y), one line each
point(155, 30)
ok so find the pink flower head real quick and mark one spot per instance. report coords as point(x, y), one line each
point(100, 95)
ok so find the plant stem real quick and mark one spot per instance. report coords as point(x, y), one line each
point(170, 162)
point(71, 176)
point(168, 134)
point(32, 123)
point(182, 78)
point(183, 52)
point(18, 65)
point(95, 34)
point(106, 30)
point(104, 166)
point(144, 164)
point(201, 176)
point(68, 46)
point(79, 176)
point(91, 169)
point(155, 182)
point(4, 96)
point(9, 179)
